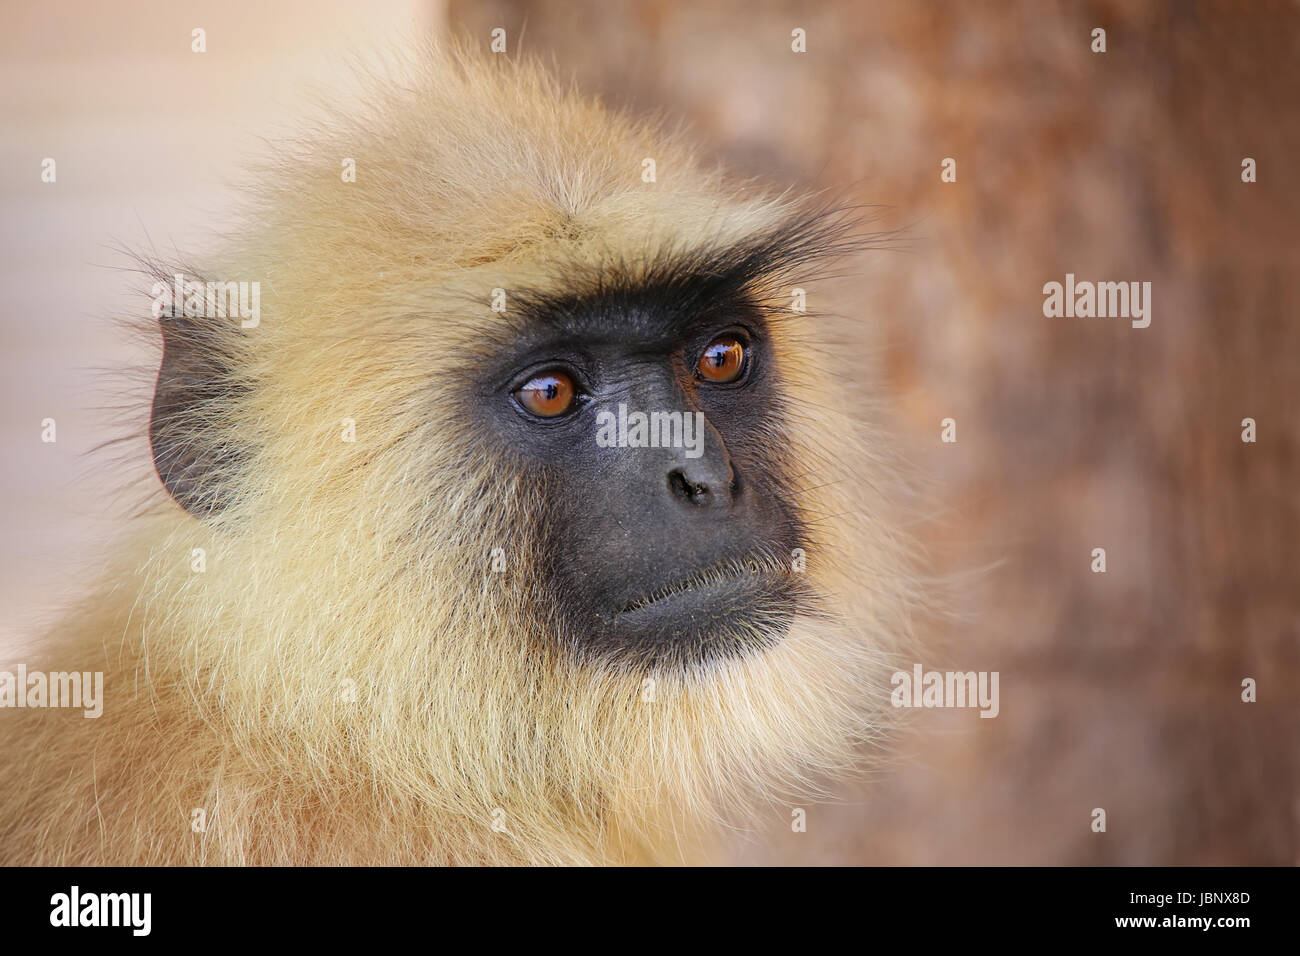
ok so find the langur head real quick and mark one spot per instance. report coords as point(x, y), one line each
point(532, 487)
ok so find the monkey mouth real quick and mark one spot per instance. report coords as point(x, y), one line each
point(712, 615)
point(718, 581)
point(723, 611)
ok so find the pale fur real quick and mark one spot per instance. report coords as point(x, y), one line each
point(368, 562)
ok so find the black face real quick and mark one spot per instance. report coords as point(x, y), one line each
point(670, 544)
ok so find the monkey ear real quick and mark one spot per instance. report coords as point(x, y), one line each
point(193, 396)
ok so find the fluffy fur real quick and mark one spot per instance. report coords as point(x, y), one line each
point(335, 565)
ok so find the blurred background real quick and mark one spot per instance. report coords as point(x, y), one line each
point(1119, 690)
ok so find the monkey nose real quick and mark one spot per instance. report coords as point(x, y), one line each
point(702, 488)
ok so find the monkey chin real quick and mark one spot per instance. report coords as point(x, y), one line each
point(707, 618)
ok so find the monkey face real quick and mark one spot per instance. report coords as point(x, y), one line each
point(628, 430)
point(655, 426)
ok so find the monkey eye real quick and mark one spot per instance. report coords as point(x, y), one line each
point(548, 394)
point(723, 360)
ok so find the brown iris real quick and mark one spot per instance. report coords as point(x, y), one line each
point(548, 394)
point(723, 361)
